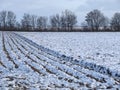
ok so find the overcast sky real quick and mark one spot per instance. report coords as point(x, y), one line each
point(50, 7)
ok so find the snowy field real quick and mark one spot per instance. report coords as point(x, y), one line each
point(25, 65)
point(101, 48)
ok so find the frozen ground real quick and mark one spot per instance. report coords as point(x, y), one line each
point(101, 48)
point(25, 65)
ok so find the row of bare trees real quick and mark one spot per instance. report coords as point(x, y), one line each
point(96, 21)
point(66, 21)
point(33, 22)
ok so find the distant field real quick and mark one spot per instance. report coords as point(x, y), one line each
point(100, 47)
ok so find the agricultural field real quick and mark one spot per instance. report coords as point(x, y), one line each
point(102, 48)
point(59, 61)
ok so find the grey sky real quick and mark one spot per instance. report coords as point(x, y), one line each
point(50, 7)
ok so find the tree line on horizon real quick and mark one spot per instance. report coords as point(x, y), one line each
point(66, 21)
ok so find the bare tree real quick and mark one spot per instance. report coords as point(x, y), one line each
point(26, 22)
point(11, 20)
point(33, 21)
point(42, 23)
point(69, 19)
point(115, 22)
point(3, 19)
point(95, 19)
point(63, 22)
point(55, 22)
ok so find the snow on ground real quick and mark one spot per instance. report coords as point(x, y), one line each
point(102, 48)
point(25, 65)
